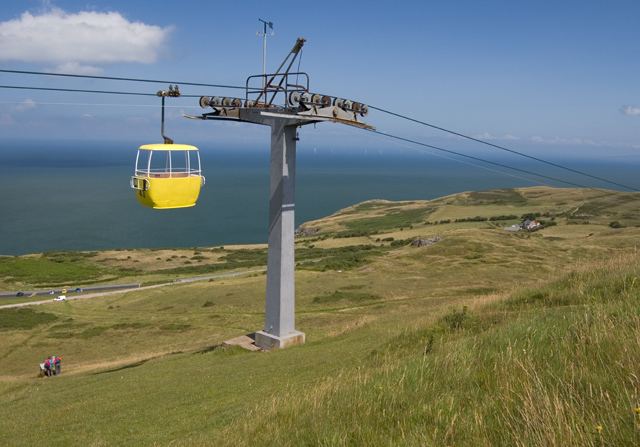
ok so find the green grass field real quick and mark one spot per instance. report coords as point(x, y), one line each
point(484, 338)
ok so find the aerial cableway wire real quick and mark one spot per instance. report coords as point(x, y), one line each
point(379, 109)
point(485, 168)
point(471, 157)
point(75, 90)
point(497, 146)
point(97, 104)
point(114, 78)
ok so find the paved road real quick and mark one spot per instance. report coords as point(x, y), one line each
point(136, 287)
point(30, 293)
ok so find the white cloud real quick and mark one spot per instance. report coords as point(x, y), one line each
point(7, 119)
point(76, 68)
point(575, 141)
point(630, 110)
point(73, 40)
point(488, 136)
point(25, 105)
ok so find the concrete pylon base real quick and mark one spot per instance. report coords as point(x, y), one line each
point(269, 341)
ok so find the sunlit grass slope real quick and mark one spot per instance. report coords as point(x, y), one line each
point(556, 365)
point(484, 338)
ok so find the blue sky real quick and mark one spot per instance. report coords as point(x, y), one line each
point(548, 77)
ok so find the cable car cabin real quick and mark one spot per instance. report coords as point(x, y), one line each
point(167, 176)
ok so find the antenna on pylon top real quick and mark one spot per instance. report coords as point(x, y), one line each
point(264, 34)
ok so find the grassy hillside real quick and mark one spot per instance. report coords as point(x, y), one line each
point(483, 338)
point(554, 365)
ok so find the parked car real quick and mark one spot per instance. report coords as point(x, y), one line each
point(60, 298)
point(78, 289)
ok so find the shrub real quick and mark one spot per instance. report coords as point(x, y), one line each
point(456, 318)
point(472, 219)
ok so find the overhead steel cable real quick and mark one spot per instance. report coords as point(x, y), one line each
point(96, 104)
point(471, 157)
point(531, 157)
point(380, 109)
point(75, 90)
point(115, 78)
point(513, 151)
point(485, 168)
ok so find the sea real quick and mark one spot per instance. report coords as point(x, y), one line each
point(75, 195)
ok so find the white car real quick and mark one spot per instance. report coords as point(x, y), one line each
point(60, 298)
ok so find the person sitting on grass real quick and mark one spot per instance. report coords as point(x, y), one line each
point(47, 367)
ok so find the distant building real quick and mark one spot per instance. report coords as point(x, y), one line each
point(304, 231)
point(531, 225)
point(425, 242)
point(526, 225)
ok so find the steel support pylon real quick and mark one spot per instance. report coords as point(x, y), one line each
point(297, 107)
point(279, 328)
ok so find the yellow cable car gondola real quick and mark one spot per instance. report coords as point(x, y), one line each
point(167, 175)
